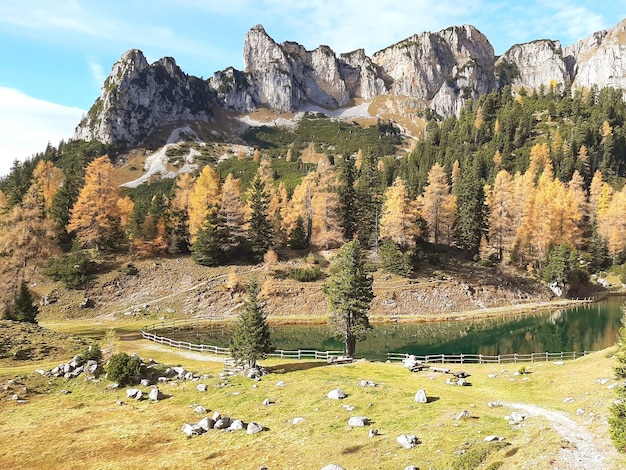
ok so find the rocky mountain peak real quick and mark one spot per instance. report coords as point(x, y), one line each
point(439, 70)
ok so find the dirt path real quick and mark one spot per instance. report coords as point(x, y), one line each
point(580, 450)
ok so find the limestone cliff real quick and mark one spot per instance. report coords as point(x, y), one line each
point(138, 98)
point(439, 70)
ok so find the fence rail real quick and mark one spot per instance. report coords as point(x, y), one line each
point(484, 359)
point(205, 348)
point(315, 354)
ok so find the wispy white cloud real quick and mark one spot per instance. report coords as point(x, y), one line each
point(69, 21)
point(97, 72)
point(28, 124)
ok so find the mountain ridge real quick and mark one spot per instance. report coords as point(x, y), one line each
point(438, 71)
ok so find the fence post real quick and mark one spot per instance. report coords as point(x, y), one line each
point(461, 358)
point(547, 356)
point(480, 358)
point(515, 358)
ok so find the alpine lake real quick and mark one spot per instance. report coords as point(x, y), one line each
point(586, 327)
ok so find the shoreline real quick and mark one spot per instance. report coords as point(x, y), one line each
point(467, 315)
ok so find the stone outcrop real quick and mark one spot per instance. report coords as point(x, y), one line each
point(439, 70)
point(138, 98)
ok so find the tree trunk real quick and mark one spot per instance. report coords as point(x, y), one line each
point(350, 345)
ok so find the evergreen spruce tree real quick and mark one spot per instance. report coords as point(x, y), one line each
point(208, 248)
point(368, 201)
point(23, 308)
point(347, 197)
point(298, 238)
point(394, 260)
point(260, 234)
point(471, 212)
point(349, 294)
point(251, 340)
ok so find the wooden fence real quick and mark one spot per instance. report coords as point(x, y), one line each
point(314, 354)
point(484, 359)
point(205, 348)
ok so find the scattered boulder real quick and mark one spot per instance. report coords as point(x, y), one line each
point(254, 428)
point(201, 387)
point(412, 363)
point(408, 441)
point(222, 423)
point(493, 404)
point(463, 414)
point(459, 381)
point(420, 396)
point(199, 409)
point(268, 402)
point(366, 383)
point(191, 429)
point(145, 383)
point(280, 383)
point(332, 466)
point(358, 421)
point(493, 439)
point(336, 394)
point(112, 386)
point(373, 432)
point(206, 423)
point(134, 393)
point(296, 420)
point(87, 303)
point(236, 425)
point(155, 394)
point(348, 407)
point(515, 418)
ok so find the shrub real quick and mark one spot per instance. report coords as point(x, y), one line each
point(305, 274)
point(92, 353)
point(73, 269)
point(394, 261)
point(129, 269)
point(124, 369)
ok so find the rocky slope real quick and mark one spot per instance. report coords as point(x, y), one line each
point(438, 70)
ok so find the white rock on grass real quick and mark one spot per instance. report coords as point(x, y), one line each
point(408, 441)
point(420, 396)
point(336, 394)
point(254, 428)
point(358, 421)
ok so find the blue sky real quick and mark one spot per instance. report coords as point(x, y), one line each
point(56, 55)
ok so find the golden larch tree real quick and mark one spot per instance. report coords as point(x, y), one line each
point(398, 219)
point(326, 230)
point(232, 212)
point(501, 213)
point(437, 206)
point(612, 224)
point(48, 179)
point(205, 195)
point(95, 215)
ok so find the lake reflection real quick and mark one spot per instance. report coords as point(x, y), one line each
point(589, 327)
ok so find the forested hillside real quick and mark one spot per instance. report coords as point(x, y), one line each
point(533, 180)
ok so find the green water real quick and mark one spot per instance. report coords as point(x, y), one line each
point(589, 327)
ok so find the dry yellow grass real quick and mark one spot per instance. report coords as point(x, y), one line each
point(87, 429)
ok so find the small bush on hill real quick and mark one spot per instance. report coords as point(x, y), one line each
point(92, 353)
point(124, 369)
point(393, 260)
point(73, 269)
point(305, 274)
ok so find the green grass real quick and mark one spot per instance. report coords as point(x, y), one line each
point(87, 429)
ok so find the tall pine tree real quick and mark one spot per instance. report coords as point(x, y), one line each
point(349, 294)
point(471, 212)
point(260, 234)
point(251, 340)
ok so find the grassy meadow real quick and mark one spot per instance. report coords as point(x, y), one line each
point(87, 428)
